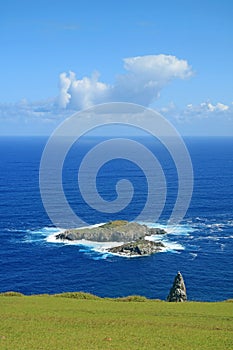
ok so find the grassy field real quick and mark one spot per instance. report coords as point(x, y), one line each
point(53, 322)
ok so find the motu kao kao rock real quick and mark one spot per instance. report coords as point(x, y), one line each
point(178, 290)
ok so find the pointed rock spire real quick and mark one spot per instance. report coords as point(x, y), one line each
point(178, 290)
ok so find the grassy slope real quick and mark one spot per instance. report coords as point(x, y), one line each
point(47, 322)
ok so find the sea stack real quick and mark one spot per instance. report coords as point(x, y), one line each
point(178, 290)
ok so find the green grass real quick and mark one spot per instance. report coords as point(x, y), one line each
point(116, 223)
point(68, 322)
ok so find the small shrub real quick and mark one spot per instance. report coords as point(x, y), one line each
point(137, 298)
point(11, 294)
point(78, 295)
point(116, 223)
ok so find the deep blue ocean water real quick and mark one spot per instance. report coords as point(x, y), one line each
point(201, 247)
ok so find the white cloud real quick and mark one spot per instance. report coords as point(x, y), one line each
point(206, 118)
point(144, 78)
point(142, 82)
point(158, 67)
point(219, 107)
point(81, 93)
point(205, 110)
point(30, 118)
point(64, 96)
point(43, 117)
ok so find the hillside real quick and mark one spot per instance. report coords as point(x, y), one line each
point(50, 322)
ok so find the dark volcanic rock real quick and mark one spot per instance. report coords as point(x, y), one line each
point(139, 247)
point(115, 231)
point(178, 290)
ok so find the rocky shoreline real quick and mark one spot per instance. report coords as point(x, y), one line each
point(131, 234)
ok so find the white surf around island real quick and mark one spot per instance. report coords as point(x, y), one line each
point(102, 247)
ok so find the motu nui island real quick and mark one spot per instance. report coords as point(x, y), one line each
point(133, 238)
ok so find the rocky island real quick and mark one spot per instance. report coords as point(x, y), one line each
point(137, 248)
point(131, 234)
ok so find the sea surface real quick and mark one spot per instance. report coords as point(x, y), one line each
point(201, 246)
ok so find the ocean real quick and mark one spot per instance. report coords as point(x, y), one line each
point(200, 246)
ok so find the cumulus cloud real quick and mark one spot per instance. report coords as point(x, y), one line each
point(203, 111)
point(206, 109)
point(142, 82)
point(219, 107)
point(81, 93)
point(205, 118)
point(162, 67)
point(64, 96)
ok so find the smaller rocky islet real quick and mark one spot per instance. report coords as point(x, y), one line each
point(137, 248)
point(131, 234)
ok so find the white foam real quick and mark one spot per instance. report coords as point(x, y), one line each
point(45, 231)
point(52, 237)
point(41, 234)
point(219, 226)
point(180, 229)
point(13, 230)
point(222, 246)
point(168, 245)
point(193, 255)
point(173, 246)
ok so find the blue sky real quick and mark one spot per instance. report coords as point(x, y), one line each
point(173, 56)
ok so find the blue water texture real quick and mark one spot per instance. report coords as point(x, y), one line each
point(201, 246)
